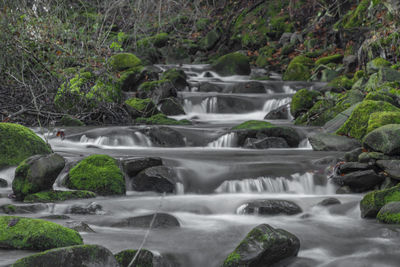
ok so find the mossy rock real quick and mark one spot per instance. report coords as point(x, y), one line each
point(161, 119)
point(390, 213)
point(299, 69)
point(35, 234)
point(68, 120)
point(357, 124)
point(145, 258)
point(302, 101)
point(123, 61)
point(232, 64)
point(375, 200)
point(158, 41)
point(253, 125)
point(17, 143)
point(341, 83)
point(97, 173)
point(138, 107)
point(337, 58)
point(356, 17)
point(177, 77)
point(56, 195)
point(382, 96)
point(210, 40)
point(379, 119)
point(265, 54)
point(385, 139)
point(376, 64)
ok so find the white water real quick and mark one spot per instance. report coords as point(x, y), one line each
point(272, 104)
point(137, 140)
point(227, 140)
point(305, 144)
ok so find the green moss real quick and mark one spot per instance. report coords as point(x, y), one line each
point(329, 59)
point(299, 69)
point(232, 64)
point(140, 104)
point(375, 200)
point(145, 258)
point(68, 120)
point(151, 86)
point(158, 40)
point(379, 119)
point(161, 119)
point(176, 76)
point(17, 143)
point(341, 83)
point(123, 61)
point(35, 234)
point(302, 101)
point(54, 196)
point(265, 54)
point(357, 124)
point(8, 209)
point(233, 259)
point(377, 63)
point(388, 217)
point(97, 173)
point(357, 17)
point(253, 125)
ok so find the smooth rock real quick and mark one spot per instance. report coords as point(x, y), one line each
point(280, 113)
point(165, 137)
point(85, 209)
point(352, 155)
point(391, 167)
point(158, 179)
point(265, 143)
point(390, 213)
point(171, 107)
point(329, 202)
point(359, 181)
point(271, 207)
point(79, 226)
point(375, 200)
point(135, 165)
point(331, 142)
point(162, 220)
point(3, 183)
point(248, 88)
point(349, 167)
point(385, 139)
point(209, 87)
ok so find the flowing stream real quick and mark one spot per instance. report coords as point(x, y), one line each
point(215, 178)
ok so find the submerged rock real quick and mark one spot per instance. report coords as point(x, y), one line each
point(263, 246)
point(91, 208)
point(359, 181)
point(374, 201)
point(35, 234)
point(23, 209)
point(37, 173)
point(161, 220)
point(79, 226)
point(331, 142)
point(209, 87)
point(271, 207)
point(73, 256)
point(329, 202)
point(158, 179)
point(3, 183)
point(248, 88)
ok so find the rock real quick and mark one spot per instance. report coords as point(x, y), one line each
point(22, 209)
point(68, 120)
point(131, 79)
point(271, 207)
point(248, 88)
point(268, 142)
point(302, 101)
point(158, 179)
point(349, 167)
point(385, 139)
point(145, 258)
point(390, 213)
point(359, 181)
point(263, 246)
point(352, 155)
point(171, 107)
point(56, 217)
point(210, 40)
point(376, 64)
point(157, 90)
point(177, 78)
point(209, 87)
point(35, 234)
point(350, 64)
point(374, 201)
point(123, 61)
point(79, 226)
point(54, 196)
point(37, 173)
point(379, 119)
point(296, 38)
point(329, 202)
point(299, 69)
point(166, 137)
point(331, 142)
point(328, 160)
point(161, 119)
point(73, 256)
point(372, 157)
point(337, 58)
point(388, 183)
point(232, 64)
point(280, 113)
point(85, 209)
point(97, 173)
point(18, 143)
point(135, 165)
point(285, 38)
point(3, 183)
point(391, 167)
point(137, 107)
point(162, 220)
point(344, 190)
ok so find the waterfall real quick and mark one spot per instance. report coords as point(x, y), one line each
point(179, 188)
point(272, 104)
point(208, 105)
point(8, 174)
point(227, 140)
point(305, 144)
point(288, 90)
point(297, 183)
point(138, 139)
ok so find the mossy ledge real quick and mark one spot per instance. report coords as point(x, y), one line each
point(54, 196)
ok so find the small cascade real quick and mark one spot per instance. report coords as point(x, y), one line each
point(179, 188)
point(138, 139)
point(288, 90)
point(8, 174)
point(227, 140)
point(305, 144)
point(297, 184)
point(208, 105)
point(272, 104)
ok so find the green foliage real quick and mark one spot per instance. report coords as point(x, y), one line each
point(35, 234)
point(379, 119)
point(17, 143)
point(161, 119)
point(341, 83)
point(68, 120)
point(54, 196)
point(253, 125)
point(140, 104)
point(123, 61)
point(98, 173)
point(329, 59)
point(357, 17)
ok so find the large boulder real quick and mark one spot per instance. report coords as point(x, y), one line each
point(359, 181)
point(302, 101)
point(97, 173)
point(177, 78)
point(37, 173)
point(331, 142)
point(299, 69)
point(73, 256)
point(161, 220)
point(232, 64)
point(385, 139)
point(135, 165)
point(18, 143)
point(379, 119)
point(391, 167)
point(157, 90)
point(123, 61)
point(171, 107)
point(265, 143)
point(145, 258)
point(375, 200)
point(271, 207)
point(35, 234)
point(158, 179)
point(263, 246)
point(165, 137)
point(390, 213)
point(280, 113)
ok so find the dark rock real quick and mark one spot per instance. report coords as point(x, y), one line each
point(280, 113)
point(165, 137)
point(352, 156)
point(145, 258)
point(328, 160)
point(350, 64)
point(133, 166)
point(343, 190)
point(391, 167)
point(56, 217)
point(285, 38)
point(359, 181)
point(171, 107)
point(82, 255)
point(268, 142)
point(79, 226)
point(177, 77)
point(133, 79)
point(91, 208)
point(158, 179)
point(248, 88)
point(331, 142)
point(271, 207)
point(290, 135)
point(348, 167)
point(390, 213)
point(157, 92)
point(232, 64)
point(162, 220)
point(23, 209)
point(263, 246)
point(209, 87)
point(385, 139)
point(374, 201)
point(372, 157)
point(388, 183)
point(37, 173)
point(329, 202)
point(3, 183)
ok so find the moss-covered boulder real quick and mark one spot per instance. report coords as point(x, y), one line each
point(263, 246)
point(232, 64)
point(340, 83)
point(390, 213)
point(35, 234)
point(299, 69)
point(68, 120)
point(302, 101)
point(379, 119)
point(177, 77)
point(171, 107)
point(123, 61)
point(17, 143)
point(161, 119)
point(253, 125)
point(210, 40)
point(331, 142)
point(385, 139)
point(72, 256)
point(375, 200)
point(159, 40)
point(337, 58)
point(138, 107)
point(97, 173)
point(157, 90)
point(356, 126)
point(56, 195)
point(145, 257)
point(37, 173)
point(374, 65)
